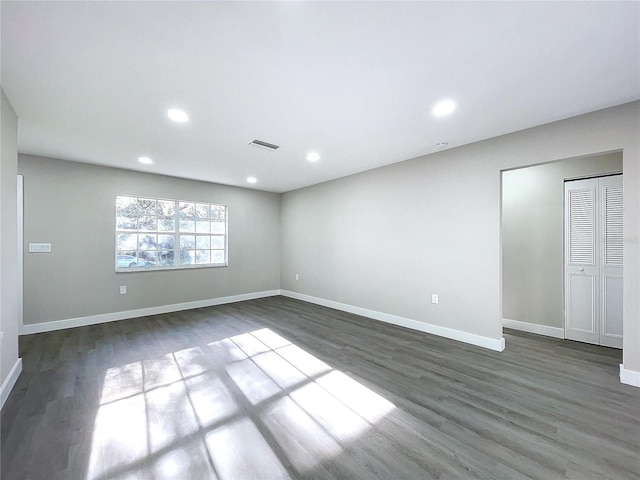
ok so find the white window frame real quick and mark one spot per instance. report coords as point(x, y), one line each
point(198, 223)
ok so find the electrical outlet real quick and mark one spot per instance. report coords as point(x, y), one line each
point(435, 299)
point(123, 289)
point(297, 277)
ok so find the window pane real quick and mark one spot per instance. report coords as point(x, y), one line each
point(127, 206)
point(166, 257)
point(166, 224)
point(127, 241)
point(203, 242)
point(187, 257)
point(187, 210)
point(127, 260)
point(203, 226)
point(203, 256)
point(165, 242)
point(217, 256)
point(166, 208)
point(217, 213)
point(126, 223)
point(147, 224)
point(217, 242)
point(147, 242)
point(187, 226)
point(187, 241)
point(147, 259)
point(202, 211)
point(218, 227)
point(146, 206)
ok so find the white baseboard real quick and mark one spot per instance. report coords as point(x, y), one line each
point(141, 312)
point(480, 341)
point(629, 377)
point(554, 332)
point(10, 382)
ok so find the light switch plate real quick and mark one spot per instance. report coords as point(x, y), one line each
point(39, 248)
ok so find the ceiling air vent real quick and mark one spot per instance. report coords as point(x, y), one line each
point(261, 144)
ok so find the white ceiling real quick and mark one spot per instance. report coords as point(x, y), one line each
point(356, 81)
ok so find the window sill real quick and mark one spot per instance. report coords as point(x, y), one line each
point(168, 268)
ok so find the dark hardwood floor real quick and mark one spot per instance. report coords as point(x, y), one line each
point(278, 388)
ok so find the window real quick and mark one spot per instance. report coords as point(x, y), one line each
point(153, 233)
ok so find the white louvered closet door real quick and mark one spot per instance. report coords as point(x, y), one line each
point(581, 271)
point(612, 243)
point(593, 260)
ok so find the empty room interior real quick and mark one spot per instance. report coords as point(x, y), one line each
point(264, 240)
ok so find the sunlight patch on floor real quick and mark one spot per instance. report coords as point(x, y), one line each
point(241, 407)
point(239, 450)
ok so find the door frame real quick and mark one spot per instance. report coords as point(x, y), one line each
point(20, 253)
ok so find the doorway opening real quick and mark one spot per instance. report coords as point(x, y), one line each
point(532, 231)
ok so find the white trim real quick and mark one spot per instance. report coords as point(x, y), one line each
point(629, 377)
point(141, 312)
point(10, 382)
point(554, 332)
point(480, 341)
point(20, 279)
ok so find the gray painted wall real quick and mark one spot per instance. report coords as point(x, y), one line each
point(532, 236)
point(72, 205)
point(383, 240)
point(8, 238)
point(386, 239)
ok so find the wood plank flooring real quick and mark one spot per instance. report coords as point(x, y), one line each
point(278, 388)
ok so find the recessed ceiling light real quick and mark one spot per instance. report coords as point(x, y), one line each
point(177, 115)
point(440, 146)
point(445, 107)
point(313, 156)
point(145, 160)
point(252, 179)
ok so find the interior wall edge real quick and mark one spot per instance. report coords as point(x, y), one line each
point(497, 345)
point(10, 381)
point(140, 312)
point(629, 377)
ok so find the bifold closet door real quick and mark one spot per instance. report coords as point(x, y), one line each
point(611, 245)
point(581, 311)
point(593, 260)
